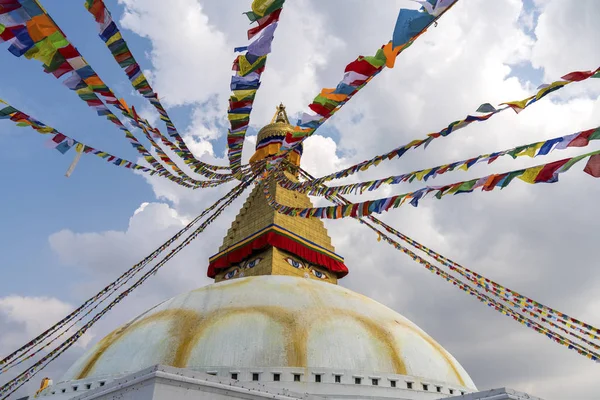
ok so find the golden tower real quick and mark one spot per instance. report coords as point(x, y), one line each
point(262, 241)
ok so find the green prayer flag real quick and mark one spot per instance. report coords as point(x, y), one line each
point(7, 111)
point(574, 161)
point(595, 135)
point(510, 177)
point(466, 186)
point(58, 40)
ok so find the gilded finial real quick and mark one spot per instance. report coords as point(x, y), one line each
point(280, 115)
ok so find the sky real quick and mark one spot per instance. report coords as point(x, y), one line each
point(64, 238)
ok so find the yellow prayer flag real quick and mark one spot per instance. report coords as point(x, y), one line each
point(45, 130)
point(43, 51)
point(245, 66)
point(464, 166)
point(551, 86)
point(530, 174)
point(114, 38)
point(138, 80)
point(237, 117)
point(518, 105)
point(84, 90)
point(454, 189)
point(413, 143)
point(259, 7)
point(419, 175)
point(239, 95)
point(530, 151)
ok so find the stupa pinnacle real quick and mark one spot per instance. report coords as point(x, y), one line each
point(262, 241)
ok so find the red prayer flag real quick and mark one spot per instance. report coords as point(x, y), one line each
point(577, 76)
point(582, 139)
point(59, 137)
point(69, 52)
point(97, 10)
point(8, 33)
point(492, 182)
point(8, 6)
point(547, 173)
point(233, 105)
point(362, 67)
point(593, 166)
point(62, 69)
point(18, 116)
point(320, 109)
point(263, 23)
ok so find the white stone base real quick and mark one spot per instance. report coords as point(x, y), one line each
point(168, 383)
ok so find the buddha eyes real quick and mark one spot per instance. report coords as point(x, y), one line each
point(253, 263)
point(231, 274)
point(237, 270)
point(294, 263)
point(318, 274)
point(300, 265)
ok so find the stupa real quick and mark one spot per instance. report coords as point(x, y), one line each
point(275, 324)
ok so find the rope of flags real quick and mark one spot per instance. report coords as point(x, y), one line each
point(537, 149)
point(514, 302)
point(14, 384)
point(410, 25)
point(32, 33)
point(248, 69)
point(19, 355)
point(64, 143)
point(517, 299)
point(543, 173)
point(491, 302)
point(112, 37)
point(486, 108)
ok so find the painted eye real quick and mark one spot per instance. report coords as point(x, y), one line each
point(318, 274)
point(294, 263)
point(231, 274)
point(253, 263)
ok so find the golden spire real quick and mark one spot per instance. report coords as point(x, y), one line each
point(280, 115)
point(262, 241)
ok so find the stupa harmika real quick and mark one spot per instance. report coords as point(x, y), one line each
point(275, 325)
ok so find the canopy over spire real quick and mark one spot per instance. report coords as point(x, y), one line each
point(270, 137)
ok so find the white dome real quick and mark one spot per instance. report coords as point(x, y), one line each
point(272, 321)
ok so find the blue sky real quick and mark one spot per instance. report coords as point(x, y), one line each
point(39, 200)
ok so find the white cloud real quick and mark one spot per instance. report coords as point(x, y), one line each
point(34, 315)
point(186, 47)
point(567, 35)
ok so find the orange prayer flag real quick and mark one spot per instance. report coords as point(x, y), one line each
point(391, 54)
point(328, 94)
point(40, 27)
point(93, 81)
point(122, 102)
